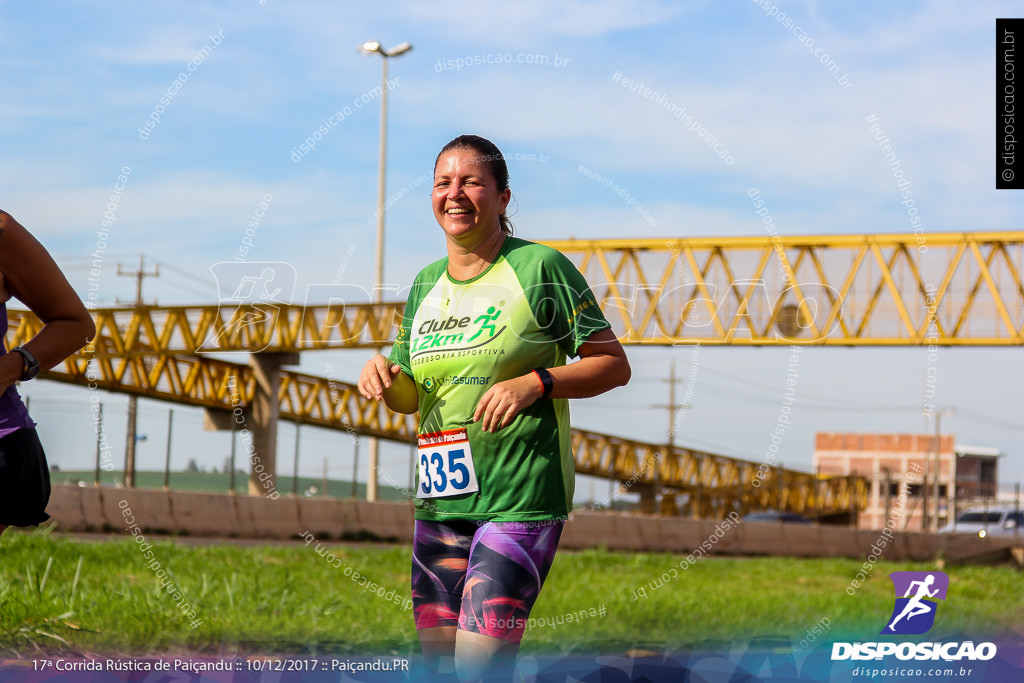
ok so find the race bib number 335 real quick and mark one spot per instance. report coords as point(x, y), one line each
point(446, 465)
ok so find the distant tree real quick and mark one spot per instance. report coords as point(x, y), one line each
point(192, 466)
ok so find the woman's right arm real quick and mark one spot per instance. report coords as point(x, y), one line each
point(28, 272)
point(382, 380)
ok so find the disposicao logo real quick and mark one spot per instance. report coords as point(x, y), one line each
point(916, 593)
point(914, 614)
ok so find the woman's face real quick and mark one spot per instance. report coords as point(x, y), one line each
point(466, 198)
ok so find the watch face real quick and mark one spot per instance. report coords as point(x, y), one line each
point(31, 365)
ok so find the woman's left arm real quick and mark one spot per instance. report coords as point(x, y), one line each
point(28, 273)
point(602, 366)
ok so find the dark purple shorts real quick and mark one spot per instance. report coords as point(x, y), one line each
point(483, 577)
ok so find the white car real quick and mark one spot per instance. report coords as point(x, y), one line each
point(988, 522)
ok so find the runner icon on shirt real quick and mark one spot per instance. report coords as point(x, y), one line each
point(488, 319)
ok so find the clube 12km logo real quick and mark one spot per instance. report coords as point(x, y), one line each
point(917, 601)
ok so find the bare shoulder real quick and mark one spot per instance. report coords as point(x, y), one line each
point(5, 220)
point(16, 240)
point(24, 260)
point(8, 225)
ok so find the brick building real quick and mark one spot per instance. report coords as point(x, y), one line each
point(891, 460)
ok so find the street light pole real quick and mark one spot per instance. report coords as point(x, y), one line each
point(374, 47)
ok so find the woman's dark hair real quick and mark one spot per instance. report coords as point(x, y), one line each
point(490, 155)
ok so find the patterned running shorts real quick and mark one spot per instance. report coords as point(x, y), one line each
point(482, 576)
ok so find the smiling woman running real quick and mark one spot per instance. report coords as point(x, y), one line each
point(482, 355)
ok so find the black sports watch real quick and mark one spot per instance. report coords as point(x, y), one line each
point(545, 380)
point(31, 364)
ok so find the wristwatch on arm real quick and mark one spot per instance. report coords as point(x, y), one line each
point(31, 365)
point(545, 380)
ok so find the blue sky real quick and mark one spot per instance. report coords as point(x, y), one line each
point(81, 78)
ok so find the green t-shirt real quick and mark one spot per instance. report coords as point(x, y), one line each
point(531, 308)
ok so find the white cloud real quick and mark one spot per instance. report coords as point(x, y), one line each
point(535, 22)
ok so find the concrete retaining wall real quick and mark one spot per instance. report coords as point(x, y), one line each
point(218, 515)
point(222, 515)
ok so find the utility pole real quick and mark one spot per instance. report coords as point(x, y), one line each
point(926, 523)
point(672, 407)
point(231, 479)
point(951, 486)
point(167, 455)
point(295, 465)
point(133, 401)
point(99, 442)
point(888, 493)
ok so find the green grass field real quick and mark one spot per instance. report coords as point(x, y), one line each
point(63, 595)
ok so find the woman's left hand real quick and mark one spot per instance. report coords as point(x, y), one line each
point(502, 402)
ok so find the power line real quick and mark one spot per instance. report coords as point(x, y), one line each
point(734, 394)
point(815, 397)
point(804, 404)
point(834, 404)
point(187, 289)
point(184, 273)
point(79, 262)
point(990, 420)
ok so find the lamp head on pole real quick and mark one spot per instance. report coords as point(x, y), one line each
point(399, 50)
point(373, 46)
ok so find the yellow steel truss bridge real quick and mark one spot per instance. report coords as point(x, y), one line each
point(950, 289)
point(961, 289)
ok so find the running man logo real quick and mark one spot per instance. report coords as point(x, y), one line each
point(251, 296)
point(914, 612)
point(487, 319)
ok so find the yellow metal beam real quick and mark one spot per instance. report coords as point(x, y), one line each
point(216, 384)
point(949, 289)
point(716, 485)
point(218, 329)
point(842, 290)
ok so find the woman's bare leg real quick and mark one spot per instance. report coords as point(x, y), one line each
point(438, 645)
point(480, 657)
